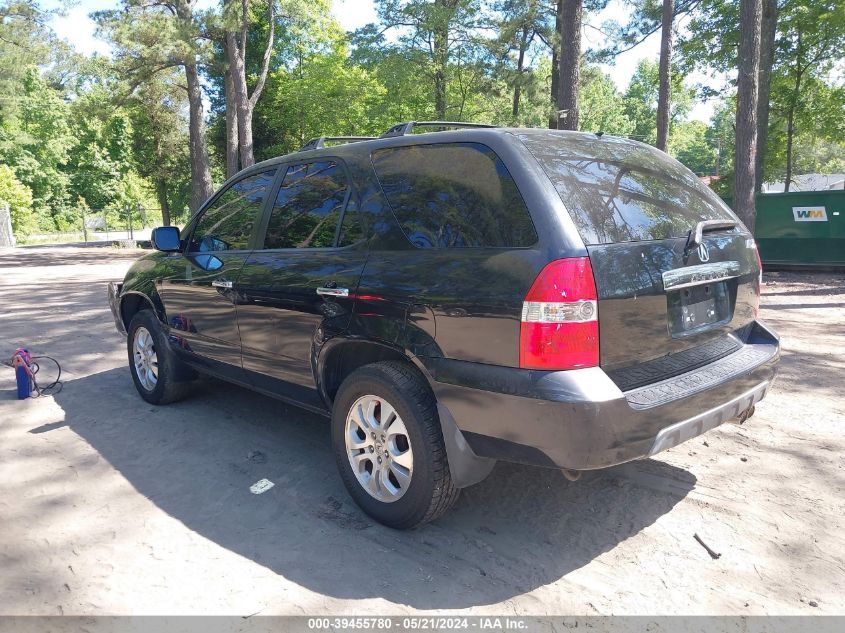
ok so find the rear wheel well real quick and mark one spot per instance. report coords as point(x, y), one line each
point(347, 357)
point(131, 305)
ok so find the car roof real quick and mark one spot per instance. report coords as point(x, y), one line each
point(447, 136)
point(482, 135)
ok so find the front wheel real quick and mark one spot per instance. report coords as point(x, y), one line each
point(389, 447)
point(159, 376)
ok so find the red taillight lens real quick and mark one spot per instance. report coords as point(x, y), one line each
point(560, 327)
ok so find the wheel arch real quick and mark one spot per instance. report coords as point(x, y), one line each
point(339, 357)
point(133, 302)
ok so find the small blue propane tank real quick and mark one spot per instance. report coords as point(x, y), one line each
point(24, 382)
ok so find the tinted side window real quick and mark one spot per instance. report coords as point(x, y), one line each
point(227, 224)
point(453, 195)
point(307, 207)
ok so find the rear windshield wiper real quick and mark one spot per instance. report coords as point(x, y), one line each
point(695, 235)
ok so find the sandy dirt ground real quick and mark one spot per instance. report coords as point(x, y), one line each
point(111, 506)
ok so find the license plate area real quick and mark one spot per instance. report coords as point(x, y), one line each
point(697, 308)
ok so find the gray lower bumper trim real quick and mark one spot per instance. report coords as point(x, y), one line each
point(719, 371)
point(687, 429)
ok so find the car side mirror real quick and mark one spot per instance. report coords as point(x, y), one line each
point(166, 239)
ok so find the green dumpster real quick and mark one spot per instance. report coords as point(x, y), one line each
point(801, 229)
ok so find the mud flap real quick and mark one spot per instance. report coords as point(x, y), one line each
point(466, 467)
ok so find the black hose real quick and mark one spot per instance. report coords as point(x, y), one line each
point(54, 387)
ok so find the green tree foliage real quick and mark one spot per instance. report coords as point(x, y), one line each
point(806, 82)
point(159, 143)
point(524, 28)
point(154, 37)
point(323, 88)
point(24, 42)
point(19, 198)
point(689, 143)
point(641, 101)
point(83, 134)
point(66, 132)
point(438, 38)
point(36, 145)
point(602, 108)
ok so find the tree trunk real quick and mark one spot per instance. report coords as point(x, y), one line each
point(237, 71)
point(441, 59)
point(768, 32)
point(790, 118)
point(790, 132)
point(236, 63)
point(751, 16)
point(570, 61)
point(664, 97)
point(520, 62)
point(555, 96)
point(201, 188)
point(231, 122)
point(164, 203)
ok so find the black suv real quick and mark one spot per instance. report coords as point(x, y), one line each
point(462, 296)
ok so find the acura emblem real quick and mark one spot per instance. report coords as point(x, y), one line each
point(703, 252)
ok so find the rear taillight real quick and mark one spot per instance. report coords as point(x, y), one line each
point(560, 327)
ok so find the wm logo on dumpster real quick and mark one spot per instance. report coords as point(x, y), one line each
point(809, 214)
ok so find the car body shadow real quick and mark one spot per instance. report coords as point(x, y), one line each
point(520, 529)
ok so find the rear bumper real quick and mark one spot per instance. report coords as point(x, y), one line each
point(114, 303)
point(581, 420)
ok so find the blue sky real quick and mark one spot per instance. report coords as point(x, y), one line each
point(76, 27)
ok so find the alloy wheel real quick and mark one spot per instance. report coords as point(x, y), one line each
point(146, 360)
point(379, 448)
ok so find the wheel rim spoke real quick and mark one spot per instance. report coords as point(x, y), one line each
point(388, 416)
point(359, 462)
point(145, 359)
point(369, 414)
point(396, 428)
point(384, 480)
point(382, 460)
point(371, 485)
point(402, 475)
point(404, 458)
point(353, 442)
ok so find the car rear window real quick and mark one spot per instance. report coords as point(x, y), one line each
point(449, 195)
point(620, 191)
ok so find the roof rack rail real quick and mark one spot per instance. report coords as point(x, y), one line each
point(402, 129)
point(316, 143)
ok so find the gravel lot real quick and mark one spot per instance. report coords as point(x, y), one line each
point(111, 506)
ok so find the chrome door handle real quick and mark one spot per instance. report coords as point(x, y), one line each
point(333, 292)
point(221, 283)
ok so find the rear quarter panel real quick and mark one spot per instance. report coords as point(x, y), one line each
point(462, 303)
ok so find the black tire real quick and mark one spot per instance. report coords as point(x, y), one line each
point(173, 375)
point(430, 492)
